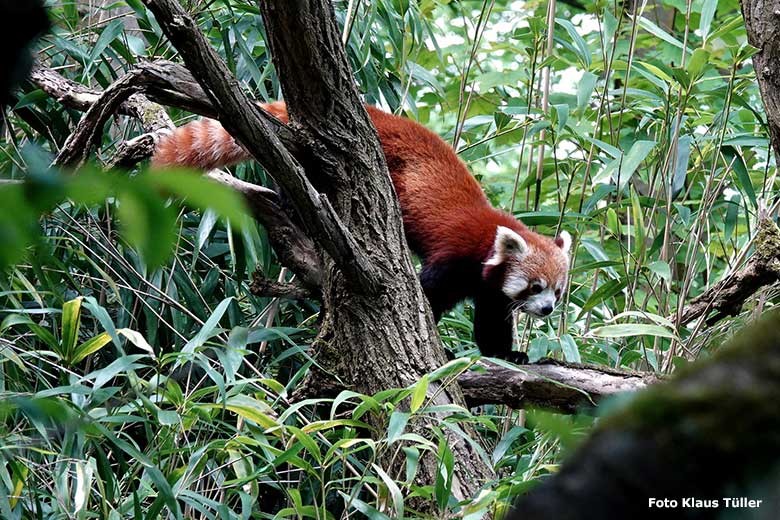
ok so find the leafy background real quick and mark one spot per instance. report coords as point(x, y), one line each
point(139, 375)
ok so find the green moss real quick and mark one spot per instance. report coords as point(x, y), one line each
point(768, 243)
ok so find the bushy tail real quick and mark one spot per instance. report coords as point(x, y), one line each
point(205, 145)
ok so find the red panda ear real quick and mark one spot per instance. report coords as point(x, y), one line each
point(508, 243)
point(563, 241)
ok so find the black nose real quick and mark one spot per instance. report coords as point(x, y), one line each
point(547, 309)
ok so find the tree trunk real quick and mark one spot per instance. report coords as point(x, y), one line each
point(762, 24)
point(370, 341)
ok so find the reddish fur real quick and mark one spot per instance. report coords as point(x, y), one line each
point(446, 214)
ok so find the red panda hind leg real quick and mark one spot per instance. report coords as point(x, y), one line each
point(439, 282)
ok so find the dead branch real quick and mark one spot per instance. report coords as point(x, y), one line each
point(549, 384)
point(74, 95)
point(263, 286)
point(122, 93)
point(163, 82)
point(67, 92)
point(171, 84)
point(294, 249)
point(726, 297)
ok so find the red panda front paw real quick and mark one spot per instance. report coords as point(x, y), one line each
point(518, 358)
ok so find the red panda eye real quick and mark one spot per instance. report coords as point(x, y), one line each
point(535, 289)
point(557, 293)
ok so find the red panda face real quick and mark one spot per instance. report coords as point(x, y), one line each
point(532, 273)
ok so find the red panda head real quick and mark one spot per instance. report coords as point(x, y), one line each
point(531, 271)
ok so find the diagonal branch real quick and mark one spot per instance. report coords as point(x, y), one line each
point(293, 247)
point(122, 93)
point(727, 296)
point(249, 125)
point(163, 82)
point(69, 93)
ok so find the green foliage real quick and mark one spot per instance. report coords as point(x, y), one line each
point(141, 378)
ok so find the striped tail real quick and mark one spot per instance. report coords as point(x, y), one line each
point(205, 145)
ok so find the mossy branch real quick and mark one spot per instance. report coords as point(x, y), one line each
point(726, 297)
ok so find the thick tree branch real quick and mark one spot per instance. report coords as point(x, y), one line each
point(726, 297)
point(161, 81)
point(552, 385)
point(249, 124)
point(67, 92)
point(548, 384)
point(122, 93)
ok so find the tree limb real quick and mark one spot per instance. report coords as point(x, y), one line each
point(549, 384)
point(263, 286)
point(163, 82)
point(69, 93)
point(294, 249)
point(122, 93)
point(726, 297)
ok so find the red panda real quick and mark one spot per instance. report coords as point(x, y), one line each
point(468, 248)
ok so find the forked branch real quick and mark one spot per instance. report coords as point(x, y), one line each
point(250, 125)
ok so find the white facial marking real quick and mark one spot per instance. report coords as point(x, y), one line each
point(536, 304)
point(514, 285)
point(508, 243)
point(566, 237)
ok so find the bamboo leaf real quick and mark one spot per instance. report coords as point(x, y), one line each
point(71, 323)
point(419, 393)
point(632, 329)
point(90, 347)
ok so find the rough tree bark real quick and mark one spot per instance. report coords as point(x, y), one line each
point(372, 342)
point(378, 331)
point(550, 384)
point(762, 24)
